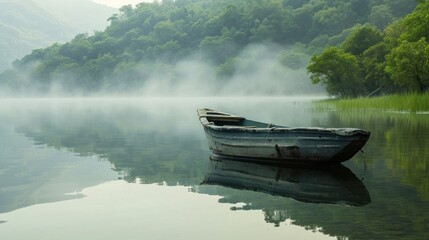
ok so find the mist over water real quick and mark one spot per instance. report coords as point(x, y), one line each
point(257, 71)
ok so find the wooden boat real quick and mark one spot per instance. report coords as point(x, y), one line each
point(334, 184)
point(238, 137)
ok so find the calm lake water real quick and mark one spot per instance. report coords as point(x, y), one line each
point(140, 168)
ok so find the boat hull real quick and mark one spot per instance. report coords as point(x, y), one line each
point(283, 144)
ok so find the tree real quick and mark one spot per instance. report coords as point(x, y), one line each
point(393, 32)
point(263, 31)
point(293, 59)
point(166, 31)
point(373, 63)
point(416, 23)
point(334, 19)
point(338, 71)
point(218, 48)
point(381, 16)
point(126, 12)
point(361, 39)
point(408, 65)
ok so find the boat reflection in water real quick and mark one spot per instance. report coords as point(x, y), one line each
point(335, 184)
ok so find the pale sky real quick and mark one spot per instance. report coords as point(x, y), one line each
point(120, 3)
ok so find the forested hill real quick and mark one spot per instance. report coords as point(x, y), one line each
point(156, 37)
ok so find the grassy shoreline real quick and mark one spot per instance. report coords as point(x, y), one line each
point(410, 102)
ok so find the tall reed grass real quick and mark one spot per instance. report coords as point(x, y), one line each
point(410, 102)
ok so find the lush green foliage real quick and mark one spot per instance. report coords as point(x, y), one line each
point(338, 70)
point(158, 35)
point(395, 60)
point(408, 65)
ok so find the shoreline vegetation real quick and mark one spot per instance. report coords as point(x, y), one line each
point(409, 102)
point(394, 59)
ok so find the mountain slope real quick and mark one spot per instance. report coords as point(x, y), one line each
point(27, 25)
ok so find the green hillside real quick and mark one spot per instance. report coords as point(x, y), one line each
point(155, 37)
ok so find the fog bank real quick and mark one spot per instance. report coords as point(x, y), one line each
point(256, 71)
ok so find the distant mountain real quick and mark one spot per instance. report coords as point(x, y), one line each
point(82, 15)
point(30, 24)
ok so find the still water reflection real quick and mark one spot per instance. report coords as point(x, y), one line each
point(76, 150)
point(334, 184)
